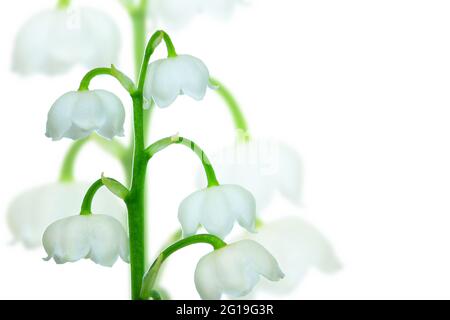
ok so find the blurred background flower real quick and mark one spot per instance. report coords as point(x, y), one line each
point(298, 247)
point(178, 13)
point(55, 40)
point(263, 166)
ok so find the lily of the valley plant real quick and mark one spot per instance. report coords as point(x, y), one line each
point(106, 220)
point(101, 238)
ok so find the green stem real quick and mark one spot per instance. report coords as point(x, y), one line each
point(150, 277)
point(136, 201)
point(166, 142)
point(113, 147)
point(67, 169)
point(138, 19)
point(239, 120)
point(86, 206)
point(136, 198)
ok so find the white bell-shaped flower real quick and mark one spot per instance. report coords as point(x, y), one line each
point(168, 78)
point(77, 114)
point(178, 13)
point(298, 247)
point(97, 237)
point(55, 40)
point(31, 212)
point(264, 167)
point(217, 209)
point(235, 270)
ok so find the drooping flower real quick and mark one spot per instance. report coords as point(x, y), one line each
point(168, 78)
point(34, 210)
point(235, 270)
point(77, 114)
point(178, 13)
point(298, 247)
point(100, 238)
point(264, 167)
point(55, 40)
point(217, 209)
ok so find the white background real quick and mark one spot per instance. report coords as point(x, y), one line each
point(360, 88)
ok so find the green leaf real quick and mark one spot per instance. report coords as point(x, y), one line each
point(115, 187)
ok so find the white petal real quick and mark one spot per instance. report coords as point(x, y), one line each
point(105, 234)
point(59, 117)
point(205, 278)
point(77, 133)
point(163, 82)
point(262, 260)
point(114, 113)
point(88, 113)
point(124, 247)
point(237, 275)
point(242, 204)
point(67, 240)
point(216, 215)
point(194, 76)
point(189, 213)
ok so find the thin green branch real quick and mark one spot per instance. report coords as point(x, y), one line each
point(67, 168)
point(150, 277)
point(239, 120)
point(86, 206)
point(166, 142)
point(126, 82)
